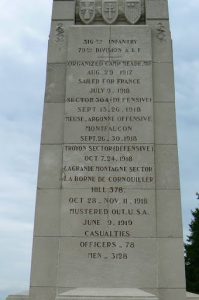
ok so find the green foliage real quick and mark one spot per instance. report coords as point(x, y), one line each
point(192, 255)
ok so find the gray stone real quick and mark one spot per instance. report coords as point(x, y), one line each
point(57, 47)
point(140, 226)
point(164, 83)
point(72, 257)
point(97, 294)
point(168, 206)
point(192, 296)
point(172, 294)
point(167, 171)
point(63, 10)
point(50, 167)
point(47, 213)
point(144, 168)
point(157, 9)
point(44, 293)
point(162, 44)
point(165, 125)
point(18, 297)
point(171, 270)
point(55, 84)
point(53, 124)
point(45, 250)
point(108, 212)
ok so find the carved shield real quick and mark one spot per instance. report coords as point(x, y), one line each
point(109, 10)
point(133, 10)
point(87, 10)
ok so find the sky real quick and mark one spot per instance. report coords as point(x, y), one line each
point(24, 30)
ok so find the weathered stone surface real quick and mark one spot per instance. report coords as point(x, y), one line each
point(50, 167)
point(53, 124)
point(157, 9)
point(44, 293)
point(88, 215)
point(45, 250)
point(140, 174)
point(57, 47)
point(97, 294)
point(140, 217)
point(164, 82)
point(18, 297)
point(168, 207)
point(171, 254)
point(63, 10)
point(192, 296)
point(71, 257)
point(55, 83)
point(162, 44)
point(167, 171)
point(47, 213)
point(108, 213)
point(165, 125)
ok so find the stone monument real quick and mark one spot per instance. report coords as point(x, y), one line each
point(108, 211)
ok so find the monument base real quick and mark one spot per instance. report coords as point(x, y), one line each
point(102, 294)
point(18, 297)
point(191, 296)
point(97, 294)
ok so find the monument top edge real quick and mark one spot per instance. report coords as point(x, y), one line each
point(146, 26)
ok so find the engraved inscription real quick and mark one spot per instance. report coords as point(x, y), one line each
point(108, 172)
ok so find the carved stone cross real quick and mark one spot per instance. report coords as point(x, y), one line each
point(110, 9)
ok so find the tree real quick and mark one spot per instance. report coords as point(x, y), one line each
point(192, 254)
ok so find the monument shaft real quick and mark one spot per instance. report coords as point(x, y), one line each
point(108, 212)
